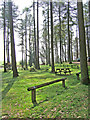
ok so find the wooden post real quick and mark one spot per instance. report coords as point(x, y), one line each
point(77, 76)
point(71, 66)
point(34, 96)
point(63, 83)
point(77, 67)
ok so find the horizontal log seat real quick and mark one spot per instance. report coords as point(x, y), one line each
point(33, 89)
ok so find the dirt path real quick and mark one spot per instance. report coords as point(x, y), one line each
point(79, 63)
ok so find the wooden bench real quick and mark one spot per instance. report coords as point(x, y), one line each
point(33, 89)
point(77, 74)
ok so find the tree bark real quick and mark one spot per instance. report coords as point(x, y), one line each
point(69, 58)
point(88, 40)
point(26, 41)
point(30, 62)
point(71, 48)
point(37, 55)
point(83, 57)
point(7, 48)
point(4, 40)
point(13, 56)
point(56, 49)
point(22, 46)
point(48, 38)
point(60, 34)
point(35, 59)
point(76, 44)
point(89, 31)
point(52, 52)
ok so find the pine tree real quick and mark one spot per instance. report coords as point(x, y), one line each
point(83, 57)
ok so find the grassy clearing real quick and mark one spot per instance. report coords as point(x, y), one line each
point(54, 101)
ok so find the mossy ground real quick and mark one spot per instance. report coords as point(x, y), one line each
point(53, 101)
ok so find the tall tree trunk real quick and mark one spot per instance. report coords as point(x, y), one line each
point(26, 41)
point(45, 37)
point(83, 57)
point(30, 62)
point(89, 31)
point(88, 43)
point(71, 48)
point(13, 56)
point(48, 38)
point(56, 49)
point(69, 57)
point(22, 46)
point(35, 59)
point(52, 52)
point(65, 49)
point(22, 51)
point(89, 10)
point(37, 55)
point(7, 49)
point(88, 40)
point(60, 34)
point(76, 44)
point(4, 40)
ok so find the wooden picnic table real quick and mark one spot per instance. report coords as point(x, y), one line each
point(65, 70)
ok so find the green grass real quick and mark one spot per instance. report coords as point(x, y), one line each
point(53, 101)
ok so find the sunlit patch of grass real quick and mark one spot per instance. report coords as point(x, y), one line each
point(53, 101)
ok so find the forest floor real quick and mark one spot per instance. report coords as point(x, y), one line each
point(53, 101)
point(79, 63)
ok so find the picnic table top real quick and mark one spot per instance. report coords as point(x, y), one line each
point(63, 69)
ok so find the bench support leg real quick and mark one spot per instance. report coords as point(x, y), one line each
point(63, 83)
point(34, 96)
point(77, 77)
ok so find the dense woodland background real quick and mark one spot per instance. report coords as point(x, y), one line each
point(63, 37)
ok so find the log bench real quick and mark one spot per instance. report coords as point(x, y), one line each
point(77, 74)
point(33, 89)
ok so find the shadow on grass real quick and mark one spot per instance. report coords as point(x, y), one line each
point(49, 98)
point(7, 88)
point(63, 74)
